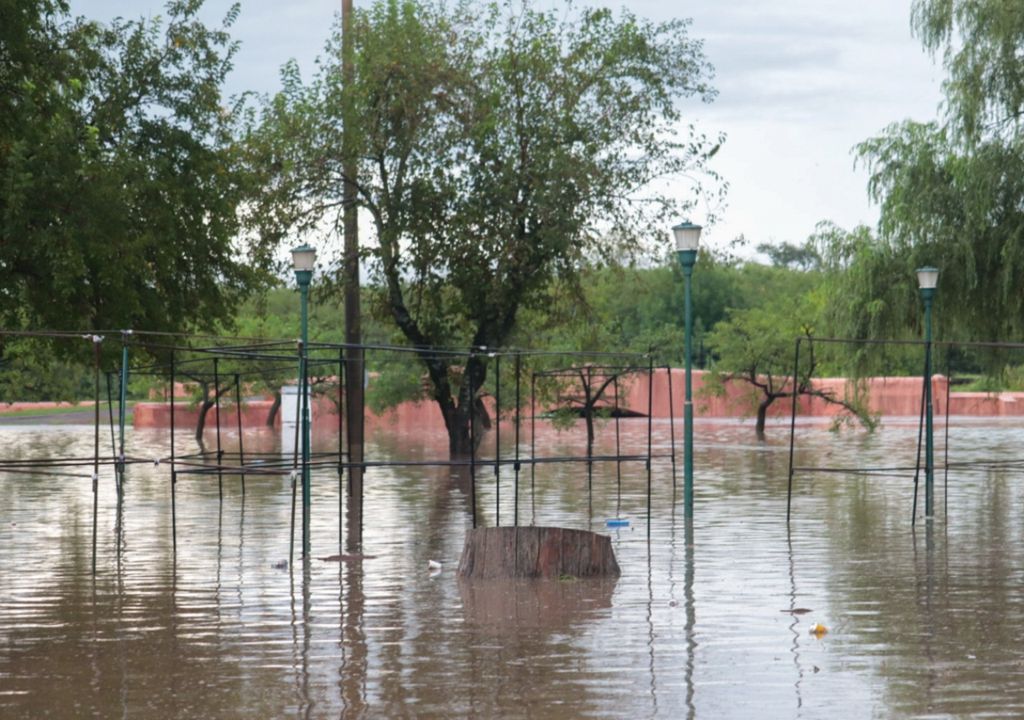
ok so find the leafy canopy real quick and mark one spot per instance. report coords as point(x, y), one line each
point(500, 149)
point(119, 180)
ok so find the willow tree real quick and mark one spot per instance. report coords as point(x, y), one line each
point(500, 148)
point(951, 191)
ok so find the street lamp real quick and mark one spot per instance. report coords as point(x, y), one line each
point(303, 262)
point(927, 279)
point(687, 240)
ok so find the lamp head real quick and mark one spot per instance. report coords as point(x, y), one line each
point(303, 257)
point(687, 236)
point(687, 241)
point(303, 262)
point(927, 279)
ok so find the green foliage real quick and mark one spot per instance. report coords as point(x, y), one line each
point(119, 174)
point(979, 43)
point(30, 371)
point(795, 257)
point(756, 346)
point(960, 212)
point(757, 343)
point(950, 192)
point(274, 315)
point(618, 309)
point(612, 309)
point(501, 149)
point(1011, 379)
point(870, 291)
point(640, 309)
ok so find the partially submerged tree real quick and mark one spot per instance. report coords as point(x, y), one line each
point(502, 148)
point(588, 392)
point(755, 347)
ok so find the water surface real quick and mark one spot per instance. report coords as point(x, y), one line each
point(708, 620)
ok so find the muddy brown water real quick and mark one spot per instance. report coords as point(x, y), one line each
point(709, 620)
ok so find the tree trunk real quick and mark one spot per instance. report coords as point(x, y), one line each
point(588, 417)
point(461, 441)
point(272, 414)
point(204, 408)
point(762, 416)
point(201, 422)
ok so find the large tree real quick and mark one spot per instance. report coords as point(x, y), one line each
point(119, 177)
point(501, 148)
point(951, 191)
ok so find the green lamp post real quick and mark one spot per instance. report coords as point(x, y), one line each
point(687, 240)
point(303, 261)
point(927, 279)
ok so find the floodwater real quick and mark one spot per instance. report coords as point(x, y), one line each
point(709, 620)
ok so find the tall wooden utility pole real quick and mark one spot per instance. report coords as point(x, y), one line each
point(354, 359)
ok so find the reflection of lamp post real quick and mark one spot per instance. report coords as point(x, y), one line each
point(927, 279)
point(303, 261)
point(687, 239)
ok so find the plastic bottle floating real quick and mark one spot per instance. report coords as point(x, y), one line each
point(617, 522)
point(818, 630)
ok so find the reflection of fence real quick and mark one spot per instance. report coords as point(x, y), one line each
point(223, 372)
point(861, 366)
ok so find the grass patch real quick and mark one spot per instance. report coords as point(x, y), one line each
point(1011, 380)
point(47, 411)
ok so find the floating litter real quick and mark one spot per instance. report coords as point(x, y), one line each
point(818, 630)
point(616, 522)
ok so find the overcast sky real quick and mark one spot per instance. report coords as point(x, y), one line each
point(800, 83)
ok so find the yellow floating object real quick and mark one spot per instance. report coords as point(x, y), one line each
point(817, 629)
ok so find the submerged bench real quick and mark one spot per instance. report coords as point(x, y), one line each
point(536, 552)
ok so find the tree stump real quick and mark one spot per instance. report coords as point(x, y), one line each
point(536, 552)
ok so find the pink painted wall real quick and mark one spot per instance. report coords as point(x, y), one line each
point(407, 416)
point(986, 404)
point(887, 396)
point(43, 405)
point(157, 414)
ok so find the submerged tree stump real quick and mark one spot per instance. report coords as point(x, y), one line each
point(505, 607)
point(536, 552)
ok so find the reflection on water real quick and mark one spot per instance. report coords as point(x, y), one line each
point(511, 607)
point(710, 619)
